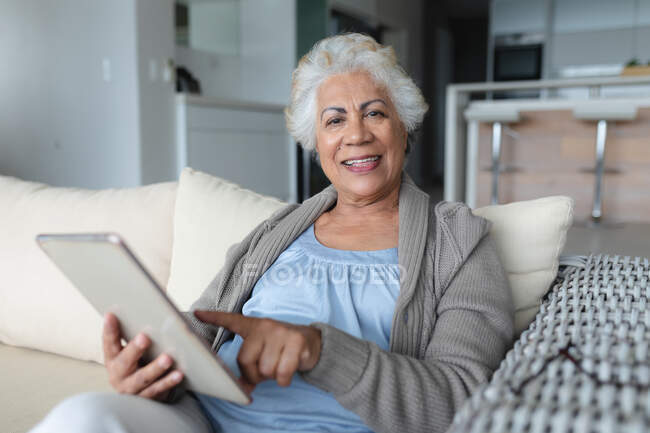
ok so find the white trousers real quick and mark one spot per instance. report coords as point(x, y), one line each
point(107, 412)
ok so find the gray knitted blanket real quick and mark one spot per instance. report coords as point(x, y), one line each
point(583, 365)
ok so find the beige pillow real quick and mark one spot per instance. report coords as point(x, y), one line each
point(39, 308)
point(530, 236)
point(211, 214)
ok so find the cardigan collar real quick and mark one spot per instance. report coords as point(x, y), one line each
point(414, 211)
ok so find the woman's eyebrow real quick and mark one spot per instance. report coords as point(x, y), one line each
point(361, 107)
point(339, 109)
point(365, 104)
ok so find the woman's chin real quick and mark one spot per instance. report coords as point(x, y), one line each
point(366, 186)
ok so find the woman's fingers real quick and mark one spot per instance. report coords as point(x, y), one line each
point(145, 376)
point(235, 322)
point(248, 360)
point(126, 361)
point(162, 385)
point(152, 380)
point(111, 337)
point(288, 363)
point(276, 350)
point(310, 354)
point(273, 356)
point(270, 357)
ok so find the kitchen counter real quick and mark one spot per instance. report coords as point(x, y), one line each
point(458, 101)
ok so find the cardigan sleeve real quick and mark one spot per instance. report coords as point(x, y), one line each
point(394, 392)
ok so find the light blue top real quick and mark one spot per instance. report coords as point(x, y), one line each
point(354, 291)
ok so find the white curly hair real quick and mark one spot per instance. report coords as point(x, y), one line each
point(344, 53)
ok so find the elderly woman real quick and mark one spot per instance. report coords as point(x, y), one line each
point(366, 308)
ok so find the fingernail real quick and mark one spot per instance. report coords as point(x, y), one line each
point(177, 375)
point(141, 341)
point(165, 362)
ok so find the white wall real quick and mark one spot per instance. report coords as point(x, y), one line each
point(88, 98)
point(156, 88)
point(61, 122)
point(214, 26)
point(262, 70)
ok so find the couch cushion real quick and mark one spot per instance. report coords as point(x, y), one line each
point(530, 236)
point(211, 214)
point(33, 382)
point(39, 308)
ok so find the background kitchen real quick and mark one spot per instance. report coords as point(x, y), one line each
point(113, 94)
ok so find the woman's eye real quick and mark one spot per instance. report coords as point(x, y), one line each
point(334, 121)
point(375, 113)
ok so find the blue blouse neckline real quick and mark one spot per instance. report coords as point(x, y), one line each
point(313, 247)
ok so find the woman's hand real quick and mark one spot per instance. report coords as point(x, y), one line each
point(124, 373)
point(271, 349)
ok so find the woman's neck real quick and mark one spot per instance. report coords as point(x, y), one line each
point(366, 209)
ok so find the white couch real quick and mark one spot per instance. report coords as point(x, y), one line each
point(180, 231)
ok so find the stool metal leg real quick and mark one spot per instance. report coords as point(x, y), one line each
point(601, 136)
point(496, 156)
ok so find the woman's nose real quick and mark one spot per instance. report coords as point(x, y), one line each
point(357, 133)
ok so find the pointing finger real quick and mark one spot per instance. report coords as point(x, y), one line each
point(237, 323)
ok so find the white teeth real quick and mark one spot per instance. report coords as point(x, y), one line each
point(360, 161)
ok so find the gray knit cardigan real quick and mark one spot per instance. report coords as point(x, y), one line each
point(452, 325)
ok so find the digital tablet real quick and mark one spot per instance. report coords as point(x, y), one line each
point(112, 279)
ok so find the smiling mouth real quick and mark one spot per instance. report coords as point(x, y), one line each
point(358, 162)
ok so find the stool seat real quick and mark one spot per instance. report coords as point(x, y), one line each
point(493, 114)
point(605, 111)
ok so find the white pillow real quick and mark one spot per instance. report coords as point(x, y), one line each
point(530, 236)
point(39, 307)
point(211, 214)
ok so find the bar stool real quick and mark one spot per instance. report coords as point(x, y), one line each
point(602, 112)
point(498, 116)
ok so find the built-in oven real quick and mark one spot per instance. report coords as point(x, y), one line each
point(518, 57)
point(518, 62)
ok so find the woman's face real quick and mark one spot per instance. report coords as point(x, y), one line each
point(356, 120)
